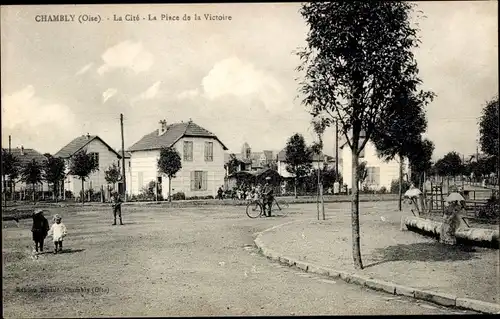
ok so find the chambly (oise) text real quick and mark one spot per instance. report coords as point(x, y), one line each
point(82, 18)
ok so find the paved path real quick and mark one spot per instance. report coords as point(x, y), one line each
point(175, 262)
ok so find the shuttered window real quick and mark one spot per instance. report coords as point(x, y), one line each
point(209, 151)
point(199, 181)
point(373, 176)
point(188, 151)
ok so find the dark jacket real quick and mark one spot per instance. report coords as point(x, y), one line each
point(40, 224)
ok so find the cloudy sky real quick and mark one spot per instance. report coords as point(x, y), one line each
point(235, 78)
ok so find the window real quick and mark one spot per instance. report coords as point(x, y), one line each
point(373, 176)
point(95, 157)
point(188, 151)
point(198, 181)
point(209, 151)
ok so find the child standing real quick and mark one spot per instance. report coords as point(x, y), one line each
point(39, 229)
point(58, 232)
point(117, 208)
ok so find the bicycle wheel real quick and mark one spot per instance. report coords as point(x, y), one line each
point(281, 208)
point(254, 209)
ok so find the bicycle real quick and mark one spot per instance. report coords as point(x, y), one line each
point(255, 208)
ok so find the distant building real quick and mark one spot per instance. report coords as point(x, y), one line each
point(202, 156)
point(25, 156)
point(104, 154)
point(380, 173)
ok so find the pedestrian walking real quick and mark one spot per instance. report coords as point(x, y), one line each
point(220, 193)
point(117, 208)
point(58, 232)
point(267, 198)
point(39, 229)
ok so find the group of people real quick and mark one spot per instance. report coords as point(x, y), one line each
point(41, 229)
point(264, 192)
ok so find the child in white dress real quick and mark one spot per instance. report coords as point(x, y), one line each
point(58, 232)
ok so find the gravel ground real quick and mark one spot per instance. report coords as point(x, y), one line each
point(173, 262)
point(389, 254)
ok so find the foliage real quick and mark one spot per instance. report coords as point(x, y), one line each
point(488, 128)
point(148, 192)
point(362, 172)
point(395, 186)
point(491, 210)
point(298, 157)
point(357, 60)
point(420, 159)
point(179, 196)
point(32, 173)
point(169, 162)
point(82, 165)
point(54, 170)
point(449, 165)
point(232, 164)
point(112, 174)
point(10, 165)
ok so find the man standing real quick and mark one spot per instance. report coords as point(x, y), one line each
point(117, 208)
point(267, 197)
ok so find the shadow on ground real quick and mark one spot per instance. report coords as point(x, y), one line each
point(434, 251)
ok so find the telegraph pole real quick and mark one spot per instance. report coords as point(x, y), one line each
point(337, 147)
point(123, 160)
point(10, 142)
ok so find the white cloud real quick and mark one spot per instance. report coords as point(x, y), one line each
point(188, 94)
point(150, 93)
point(241, 79)
point(109, 93)
point(84, 69)
point(36, 122)
point(127, 55)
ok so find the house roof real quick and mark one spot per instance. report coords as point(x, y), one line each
point(27, 155)
point(79, 143)
point(175, 132)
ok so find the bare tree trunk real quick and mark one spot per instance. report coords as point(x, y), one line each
point(83, 192)
point(295, 186)
point(356, 249)
point(322, 201)
point(170, 189)
point(317, 193)
point(400, 198)
point(33, 195)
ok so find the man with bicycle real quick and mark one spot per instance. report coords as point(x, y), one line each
point(267, 197)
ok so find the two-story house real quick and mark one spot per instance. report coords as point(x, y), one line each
point(202, 156)
point(104, 154)
point(380, 173)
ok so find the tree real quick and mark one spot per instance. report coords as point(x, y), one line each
point(10, 168)
point(489, 131)
point(112, 174)
point(362, 172)
point(82, 165)
point(298, 158)
point(420, 161)
point(398, 133)
point(169, 164)
point(31, 173)
point(233, 164)
point(53, 172)
point(357, 56)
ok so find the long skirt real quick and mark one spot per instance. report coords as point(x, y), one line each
point(448, 229)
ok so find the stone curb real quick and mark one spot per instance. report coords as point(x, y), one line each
point(376, 284)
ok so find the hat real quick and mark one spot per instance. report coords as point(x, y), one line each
point(413, 192)
point(455, 197)
point(57, 217)
point(38, 211)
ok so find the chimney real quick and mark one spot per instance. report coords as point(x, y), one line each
point(22, 150)
point(163, 127)
point(88, 136)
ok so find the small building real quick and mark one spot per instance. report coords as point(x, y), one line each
point(25, 156)
point(202, 157)
point(104, 154)
point(380, 173)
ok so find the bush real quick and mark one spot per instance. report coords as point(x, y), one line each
point(395, 186)
point(382, 190)
point(179, 196)
point(491, 210)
